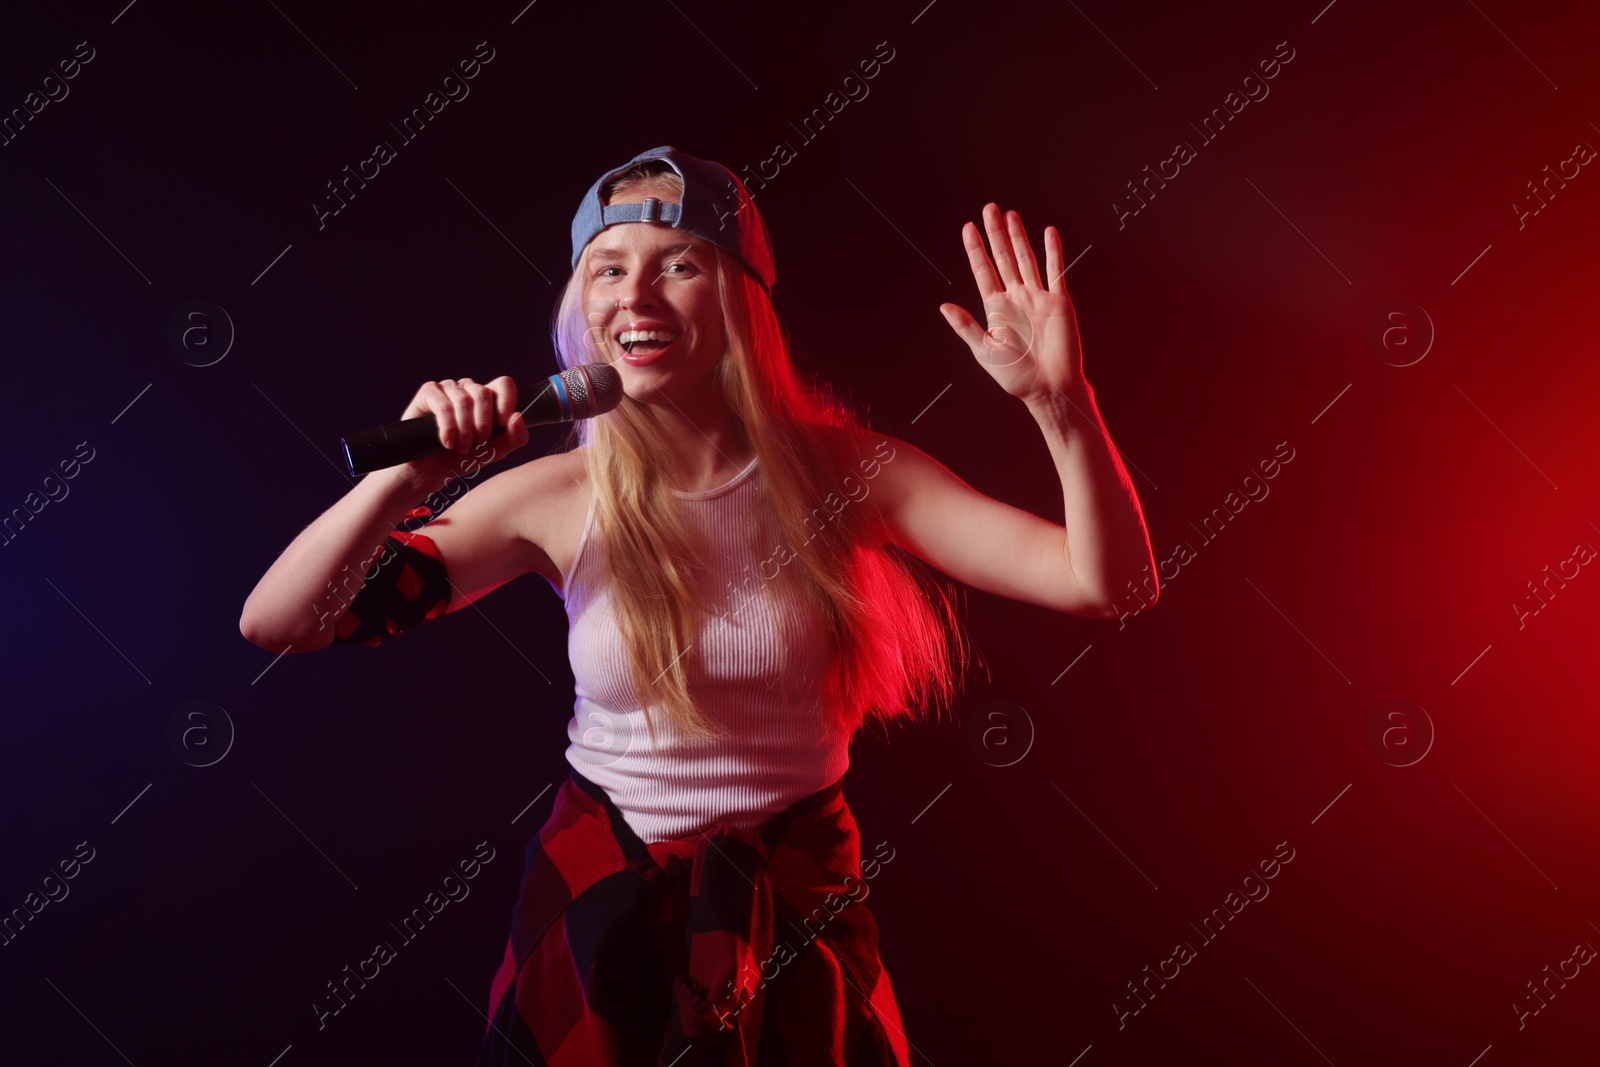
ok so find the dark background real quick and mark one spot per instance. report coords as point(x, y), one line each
point(1229, 316)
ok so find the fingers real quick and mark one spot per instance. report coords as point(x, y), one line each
point(514, 426)
point(1052, 258)
point(505, 394)
point(965, 326)
point(467, 411)
point(1027, 267)
point(1014, 263)
point(988, 281)
point(472, 406)
point(1000, 245)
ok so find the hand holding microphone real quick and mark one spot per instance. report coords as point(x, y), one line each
point(460, 414)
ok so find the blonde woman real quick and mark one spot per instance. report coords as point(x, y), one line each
point(738, 558)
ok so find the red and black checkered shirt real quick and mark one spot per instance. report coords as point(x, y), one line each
point(728, 947)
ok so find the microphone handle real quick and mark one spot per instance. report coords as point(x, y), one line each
point(401, 442)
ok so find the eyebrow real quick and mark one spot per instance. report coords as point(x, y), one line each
point(615, 253)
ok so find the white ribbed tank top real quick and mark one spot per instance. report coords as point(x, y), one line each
point(762, 682)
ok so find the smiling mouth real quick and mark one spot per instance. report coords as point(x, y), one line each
point(644, 342)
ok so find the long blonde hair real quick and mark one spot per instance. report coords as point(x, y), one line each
point(897, 643)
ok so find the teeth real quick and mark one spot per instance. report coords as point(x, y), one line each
point(631, 337)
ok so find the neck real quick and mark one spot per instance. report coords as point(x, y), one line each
point(707, 442)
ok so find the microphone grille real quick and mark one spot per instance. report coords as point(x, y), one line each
point(595, 389)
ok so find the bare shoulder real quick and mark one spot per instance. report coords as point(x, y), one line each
point(868, 455)
point(526, 519)
point(910, 487)
point(556, 472)
point(548, 501)
point(866, 460)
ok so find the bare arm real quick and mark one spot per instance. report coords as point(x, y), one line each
point(928, 510)
point(297, 602)
point(1031, 348)
point(1105, 542)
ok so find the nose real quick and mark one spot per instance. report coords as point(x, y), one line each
point(637, 290)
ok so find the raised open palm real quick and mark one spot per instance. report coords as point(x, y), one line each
point(1029, 343)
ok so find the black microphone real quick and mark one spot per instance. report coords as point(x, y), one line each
point(580, 392)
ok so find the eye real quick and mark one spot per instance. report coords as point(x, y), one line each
point(603, 272)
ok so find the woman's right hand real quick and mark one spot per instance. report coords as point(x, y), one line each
point(300, 599)
point(467, 413)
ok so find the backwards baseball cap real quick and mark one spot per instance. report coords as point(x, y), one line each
point(715, 207)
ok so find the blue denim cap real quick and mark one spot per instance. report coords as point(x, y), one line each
point(716, 207)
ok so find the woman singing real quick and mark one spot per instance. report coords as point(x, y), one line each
point(737, 558)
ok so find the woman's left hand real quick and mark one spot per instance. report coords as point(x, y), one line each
point(1031, 344)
